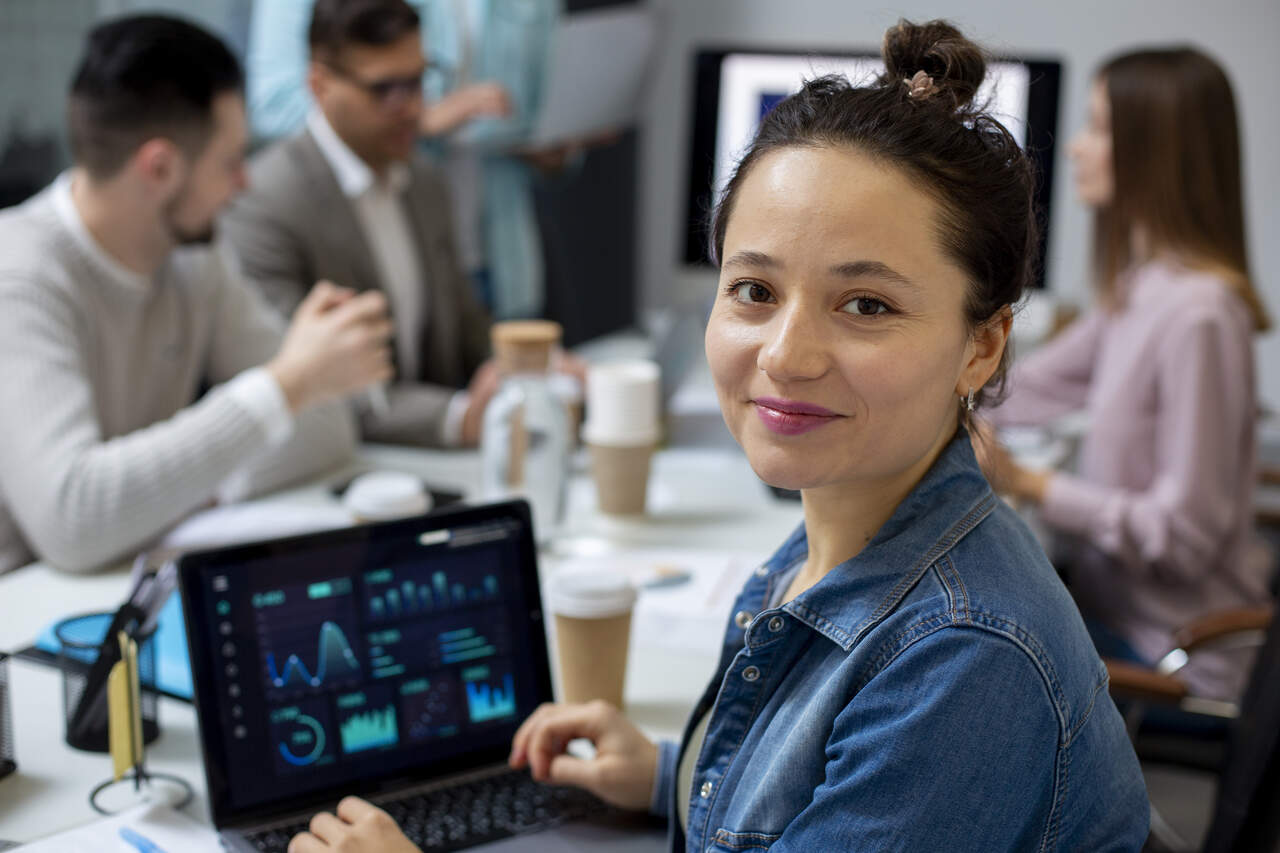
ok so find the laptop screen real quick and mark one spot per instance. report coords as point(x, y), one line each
point(365, 659)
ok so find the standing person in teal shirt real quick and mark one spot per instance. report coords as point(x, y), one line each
point(484, 90)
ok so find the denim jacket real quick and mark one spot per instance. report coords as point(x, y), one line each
point(936, 692)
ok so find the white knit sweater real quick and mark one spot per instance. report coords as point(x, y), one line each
point(101, 445)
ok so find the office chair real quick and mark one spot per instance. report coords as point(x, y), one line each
point(1246, 816)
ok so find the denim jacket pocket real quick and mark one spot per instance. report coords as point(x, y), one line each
point(735, 841)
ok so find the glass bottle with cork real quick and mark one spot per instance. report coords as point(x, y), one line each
point(524, 440)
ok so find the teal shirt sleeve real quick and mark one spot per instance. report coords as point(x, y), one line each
point(276, 67)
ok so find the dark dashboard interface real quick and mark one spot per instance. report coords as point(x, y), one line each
point(401, 650)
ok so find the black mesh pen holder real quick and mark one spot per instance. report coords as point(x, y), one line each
point(80, 638)
point(7, 762)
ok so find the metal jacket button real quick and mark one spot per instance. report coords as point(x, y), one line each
point(705, 791)
point(775, 624)
point(751, 673)
point(742, 619)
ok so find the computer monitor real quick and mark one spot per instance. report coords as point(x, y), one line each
point(734, 88)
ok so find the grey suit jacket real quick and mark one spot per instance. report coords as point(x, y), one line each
point(294, 226)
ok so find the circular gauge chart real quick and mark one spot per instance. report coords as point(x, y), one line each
point(299, 734)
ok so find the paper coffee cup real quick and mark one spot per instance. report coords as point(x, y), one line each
point(386, 495)
point(622, 403)
point(621, 475)
point(593, 631)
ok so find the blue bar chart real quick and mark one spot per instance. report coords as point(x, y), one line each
point(489, 697)
point(407, 591)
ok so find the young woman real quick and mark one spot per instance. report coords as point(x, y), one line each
point(1159, 519)
point(906, 672)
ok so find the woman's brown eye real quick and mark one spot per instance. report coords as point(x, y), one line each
point(866, 306)
point(747, 293)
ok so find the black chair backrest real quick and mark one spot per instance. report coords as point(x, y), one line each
point(1246, 817)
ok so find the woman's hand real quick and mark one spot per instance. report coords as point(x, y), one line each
point(625, 764)
point(358, 827)
point(1004, 473)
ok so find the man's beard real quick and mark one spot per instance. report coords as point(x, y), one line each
point(182, 236)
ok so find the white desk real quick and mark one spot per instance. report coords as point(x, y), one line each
point(703, 499)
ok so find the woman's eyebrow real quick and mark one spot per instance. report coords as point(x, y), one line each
point(874, 269)
point(751, 258)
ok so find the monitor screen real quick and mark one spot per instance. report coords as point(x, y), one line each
point(734, 89)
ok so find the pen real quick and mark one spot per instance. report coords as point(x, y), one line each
point(139, 841)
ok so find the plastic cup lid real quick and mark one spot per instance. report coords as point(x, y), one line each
point(632, 437)
point(591, 595)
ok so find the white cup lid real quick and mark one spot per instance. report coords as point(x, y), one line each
point(594, 433)
point(591, 594)
point(386, 495)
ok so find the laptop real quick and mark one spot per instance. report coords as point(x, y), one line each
point(393, 661)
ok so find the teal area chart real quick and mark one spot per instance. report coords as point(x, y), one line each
point(367, 719)
point(307, 636)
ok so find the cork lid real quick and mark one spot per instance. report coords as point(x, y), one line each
point(524, 345)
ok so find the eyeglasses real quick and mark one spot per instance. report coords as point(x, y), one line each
point(389, 92)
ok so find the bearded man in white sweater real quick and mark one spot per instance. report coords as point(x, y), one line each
point(118, 307)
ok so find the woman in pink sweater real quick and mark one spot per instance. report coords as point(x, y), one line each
point(1158, 519)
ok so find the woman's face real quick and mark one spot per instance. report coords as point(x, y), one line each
point(1090, 150)
point(838, 341)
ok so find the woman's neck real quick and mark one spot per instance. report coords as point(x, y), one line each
point(841, 519)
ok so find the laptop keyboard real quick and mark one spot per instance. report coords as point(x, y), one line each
point(467, 814)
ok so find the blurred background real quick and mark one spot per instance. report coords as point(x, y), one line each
point(615, 231)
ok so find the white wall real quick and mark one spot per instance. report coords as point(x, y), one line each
point(1242, 34)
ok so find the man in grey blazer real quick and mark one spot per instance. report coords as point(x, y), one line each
point(349, 200)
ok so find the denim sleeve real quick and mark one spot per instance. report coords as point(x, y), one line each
point(952, 745)
point(668, 757)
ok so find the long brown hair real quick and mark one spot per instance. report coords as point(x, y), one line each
point(1175, 143)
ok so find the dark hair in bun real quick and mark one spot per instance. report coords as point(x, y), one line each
point(921, 117)
point(955, 65)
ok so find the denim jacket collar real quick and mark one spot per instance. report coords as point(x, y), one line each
point(857, 593)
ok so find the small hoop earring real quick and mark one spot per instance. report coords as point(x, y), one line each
point(968, 402)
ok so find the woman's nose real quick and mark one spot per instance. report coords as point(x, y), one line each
point(795, 347)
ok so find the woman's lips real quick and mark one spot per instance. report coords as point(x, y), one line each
point(791, 417)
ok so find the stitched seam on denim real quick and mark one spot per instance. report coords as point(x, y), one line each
point(744, 840)
point(819, 623)
point(1088, 712)
point(919, 630)
point(942, 545)
point(1054, 825)
point(733, 753)
point(1015, 634)
point(951, 594)
point(897, 644)
point(964, 593)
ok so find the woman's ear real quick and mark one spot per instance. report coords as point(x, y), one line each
point(989, 340)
